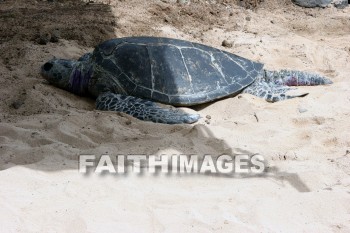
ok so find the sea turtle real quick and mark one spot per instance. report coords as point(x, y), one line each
point(134, 74)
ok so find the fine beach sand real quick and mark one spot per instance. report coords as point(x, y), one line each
point(305, 141)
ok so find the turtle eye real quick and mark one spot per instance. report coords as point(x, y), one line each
point(48, 66)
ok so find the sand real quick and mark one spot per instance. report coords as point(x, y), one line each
point(305, 141)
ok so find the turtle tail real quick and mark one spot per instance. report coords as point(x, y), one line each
point(143, 109)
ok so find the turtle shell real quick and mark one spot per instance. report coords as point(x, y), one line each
point(172, 71)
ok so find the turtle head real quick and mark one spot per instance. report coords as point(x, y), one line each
point(58, 72)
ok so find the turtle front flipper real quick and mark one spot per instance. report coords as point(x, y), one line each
point(143, 109)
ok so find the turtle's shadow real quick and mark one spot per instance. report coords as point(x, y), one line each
point(204, 137)
point(200, 107)
point(272, 173)
point(198, 136)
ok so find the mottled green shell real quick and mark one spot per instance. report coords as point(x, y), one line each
point(171, 71)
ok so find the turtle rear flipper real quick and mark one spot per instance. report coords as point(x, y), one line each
point(274, 86)
point(143, 109)
point(272, 92)
point(295, 78)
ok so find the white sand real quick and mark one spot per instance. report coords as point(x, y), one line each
point(307, 188)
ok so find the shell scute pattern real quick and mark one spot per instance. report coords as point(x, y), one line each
point(174, 71)
point(164, 69)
